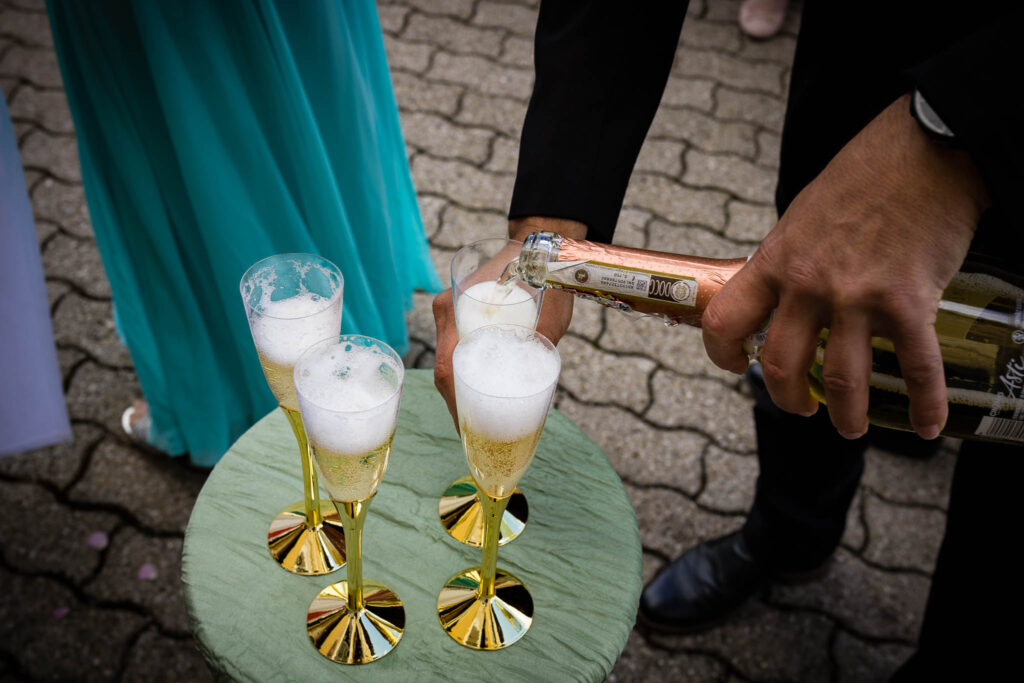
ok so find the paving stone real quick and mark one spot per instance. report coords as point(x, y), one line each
point(901, 536)
point(430, 212)
point(779, 49)
point(501, 113)
point(631, 228)
point(730, 481)
point(768, 149)
point(689, 92)
point(45, 230)
point(37, 6)
point(7, 83)
point(49, 108)
point(749, 222)
point(686, 239)
point(55, 465)
point(455, 8)
point(459, 227)
point(77, 260)
point(757, 108)
point(35, 65)
point(670, 523)
point(766, 644)
point(118, 582)
point(64, 204)
point(482, 75)
point(392, 17)
point(452, 35)
point(679, 348)
point(86, 644)
point(652, 564)
point(515, 18)
point(55, 290)
point(597, 376)
point(908, 480)
point(732, 71)
point(504, 155)
point(700, 33)
point(860, 661)
point(158, 659)
point(99, 394)
point(420, 320)
point(733, 174)
point(22, 129)
point(414, 356)
point(640, 663)
point(721, 10)
point(518, 51)
point(639, 454)
point(38, 534)
point(704, 405)
point(855, 535)
point(57, 154)
point(870, 602)
point(661, 156)
point(31, 28)
point(443, 139)
point(89, 325)
point(704, 132)
point(464, 184)
point(408, 56)
point(587, 319)
point(417, 94)
point(158, 490)
point(673, 201)
point(442, 259)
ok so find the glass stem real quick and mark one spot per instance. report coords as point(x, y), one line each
point(493, 509)
point(310, 485)
point(353, 514)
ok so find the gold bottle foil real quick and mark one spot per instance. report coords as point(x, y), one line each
point(675, 287)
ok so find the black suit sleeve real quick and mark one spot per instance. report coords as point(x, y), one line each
point(973, 86)
point(601, 69)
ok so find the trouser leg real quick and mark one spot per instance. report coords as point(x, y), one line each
point(971, 627)
point(807, 480)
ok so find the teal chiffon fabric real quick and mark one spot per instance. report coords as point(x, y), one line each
point(214, 134)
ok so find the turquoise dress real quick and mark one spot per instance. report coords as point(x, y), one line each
point(214, 134)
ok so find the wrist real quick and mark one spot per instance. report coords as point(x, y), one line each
point(519, 228)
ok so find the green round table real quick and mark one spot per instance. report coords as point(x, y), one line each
point(579, 556)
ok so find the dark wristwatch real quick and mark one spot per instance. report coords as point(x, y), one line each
point(930, 122)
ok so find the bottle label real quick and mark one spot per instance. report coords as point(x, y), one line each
point(587, 275)
point(1001, 428)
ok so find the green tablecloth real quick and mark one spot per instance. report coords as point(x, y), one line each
point(579, 556)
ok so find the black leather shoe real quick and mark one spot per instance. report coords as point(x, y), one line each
point(704, 585)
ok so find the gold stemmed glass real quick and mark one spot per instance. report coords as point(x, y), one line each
point(479, 301)
point(349, 389)
point(292, 301)
point(505, 377)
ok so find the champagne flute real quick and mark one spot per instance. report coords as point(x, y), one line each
point(505, 377)
point(480, 300)
point(349, 389)
point(291, 301)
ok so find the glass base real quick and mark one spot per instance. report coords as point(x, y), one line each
point(462, 516)
point(357, 637)
point(309, 552)
point(481, 624)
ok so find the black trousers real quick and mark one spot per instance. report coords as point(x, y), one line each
point(808, 477)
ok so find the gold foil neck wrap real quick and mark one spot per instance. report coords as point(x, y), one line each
point(710, 275)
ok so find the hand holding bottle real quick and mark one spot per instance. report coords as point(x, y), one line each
point(865, 250)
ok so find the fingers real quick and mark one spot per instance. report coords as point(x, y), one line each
point(447, 338)
point(846, 372)
point(921, 366)
point(788, 355)
point(738, 310)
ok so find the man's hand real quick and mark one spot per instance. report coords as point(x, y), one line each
point(555, 314)
point(865, 250)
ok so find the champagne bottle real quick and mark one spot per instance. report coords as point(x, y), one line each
point(980, 325)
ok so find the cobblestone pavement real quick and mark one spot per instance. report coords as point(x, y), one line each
point(678, 430)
